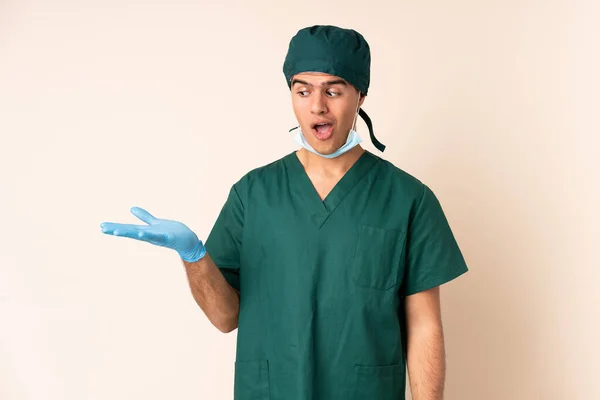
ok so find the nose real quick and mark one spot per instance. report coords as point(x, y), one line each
point(319, 104)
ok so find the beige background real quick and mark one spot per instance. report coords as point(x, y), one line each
point(109, 104)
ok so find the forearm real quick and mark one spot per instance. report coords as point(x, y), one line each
point(219, 301)
point(426, 361)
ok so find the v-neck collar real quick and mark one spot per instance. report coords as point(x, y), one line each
point(321, 209)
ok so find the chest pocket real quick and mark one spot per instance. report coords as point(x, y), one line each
point(378, 257)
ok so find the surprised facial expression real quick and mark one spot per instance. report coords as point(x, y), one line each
point(325, 107)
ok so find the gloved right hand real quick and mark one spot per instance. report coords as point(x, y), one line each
point(160, 232)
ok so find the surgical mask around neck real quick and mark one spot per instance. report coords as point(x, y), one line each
point(351, 142)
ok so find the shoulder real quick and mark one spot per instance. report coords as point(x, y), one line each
point(261, 176)
point(400, 181)
point(264, 172)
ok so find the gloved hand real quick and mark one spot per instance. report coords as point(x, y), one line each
point(161, 232)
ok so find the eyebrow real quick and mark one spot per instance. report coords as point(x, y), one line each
point(328, 83)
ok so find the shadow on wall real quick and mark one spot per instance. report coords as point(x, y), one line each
point(492, 329)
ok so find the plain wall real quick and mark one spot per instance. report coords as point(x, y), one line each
point(165, 104)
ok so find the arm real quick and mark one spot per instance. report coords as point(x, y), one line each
point(425, 341)
point(219, 301)
point(212, 292)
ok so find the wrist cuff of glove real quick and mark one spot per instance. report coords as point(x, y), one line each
point(195, 254)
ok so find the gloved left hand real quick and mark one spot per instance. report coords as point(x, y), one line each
point(160, 232)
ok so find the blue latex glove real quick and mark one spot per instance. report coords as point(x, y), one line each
point(160, 232)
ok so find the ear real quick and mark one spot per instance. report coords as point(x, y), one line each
point(362, 99)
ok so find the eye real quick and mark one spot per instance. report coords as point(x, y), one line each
point(303, 93)
point(332, 94)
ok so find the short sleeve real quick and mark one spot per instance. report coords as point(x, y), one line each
point(224, 242)
point(432, 253)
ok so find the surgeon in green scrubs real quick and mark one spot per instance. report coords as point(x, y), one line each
point(328, 260)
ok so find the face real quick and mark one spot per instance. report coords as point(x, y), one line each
point(325, 107)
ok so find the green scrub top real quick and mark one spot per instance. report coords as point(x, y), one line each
point(322, 283)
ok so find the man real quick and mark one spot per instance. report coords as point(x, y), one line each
point(328, 260)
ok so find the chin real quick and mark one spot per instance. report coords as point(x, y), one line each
point(326, 150)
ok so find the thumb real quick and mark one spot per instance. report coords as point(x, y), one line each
point(143, 215)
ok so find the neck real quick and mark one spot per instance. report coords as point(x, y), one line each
point(330, 166)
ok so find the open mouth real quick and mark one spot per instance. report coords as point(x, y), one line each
point(323, 131)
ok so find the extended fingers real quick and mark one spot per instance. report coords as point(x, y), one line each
point(128, 230)
point(138, 232)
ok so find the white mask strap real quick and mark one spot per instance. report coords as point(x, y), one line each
point(356, 116)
